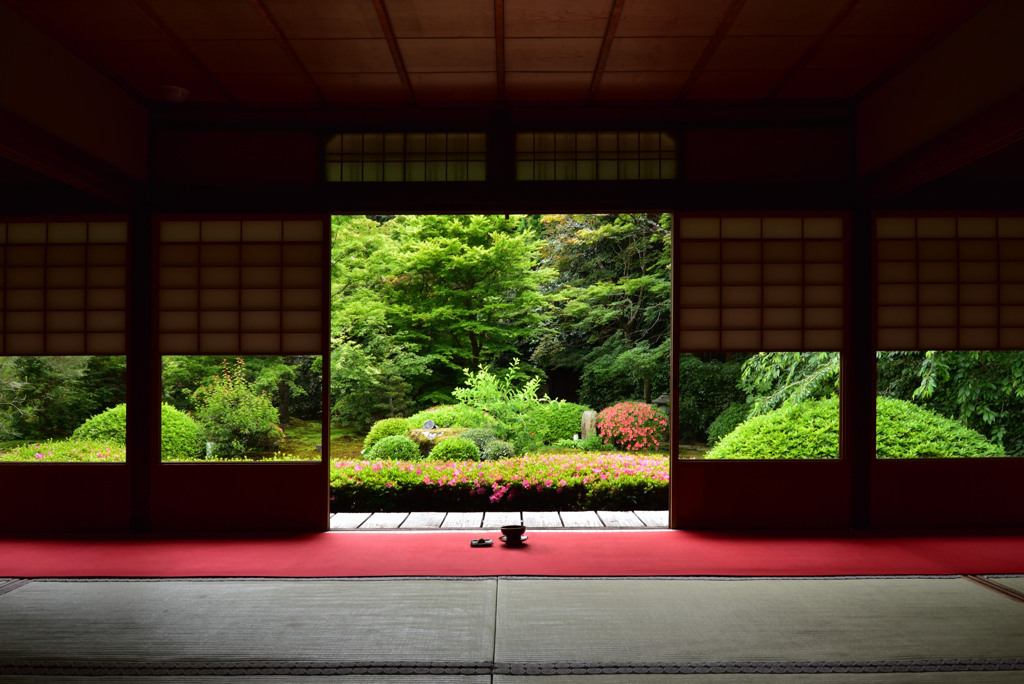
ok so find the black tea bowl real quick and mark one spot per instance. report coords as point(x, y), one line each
point(513, 533)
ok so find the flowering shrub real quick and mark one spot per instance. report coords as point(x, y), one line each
point(70, 451)
point(631, 425)
point(566, 482)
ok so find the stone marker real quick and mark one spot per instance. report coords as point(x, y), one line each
point(588, 425)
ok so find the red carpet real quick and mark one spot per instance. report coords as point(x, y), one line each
point(384, 554)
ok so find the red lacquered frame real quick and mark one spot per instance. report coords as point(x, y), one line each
point(72, 497)
point(755, 494)
point(944, 493)
point(239, 497)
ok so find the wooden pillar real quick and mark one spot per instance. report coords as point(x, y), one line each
point(857, 371)
point(143, 419)
point(673, 410)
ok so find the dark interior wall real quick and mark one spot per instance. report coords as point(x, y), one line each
point(767, 155)
point(43, 83)
point(235, 157)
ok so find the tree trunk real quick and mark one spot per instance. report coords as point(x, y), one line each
point(284, 394)
point(647, 390)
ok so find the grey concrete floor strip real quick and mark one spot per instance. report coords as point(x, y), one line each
point(384, 521)
point(495, 519)
point(535, 519)
point(757, 620)
point(348, 521)
point(423, 520)
point(619, 519)
point(580, 519)
point(410, 620)
point(463, 521)
point(653, 518)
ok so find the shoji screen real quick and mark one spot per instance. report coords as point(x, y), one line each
point(759, 283)
point(950, 282)
point(241, 287)
point(63, 287)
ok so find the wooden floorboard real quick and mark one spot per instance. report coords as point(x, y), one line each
point(619, 519)
point(384, 521)
point(653, 518)
point(495, 519)
point(348, 521)
point(538, 519)
point(580, 519)
point(463, 521)
point(423, 520)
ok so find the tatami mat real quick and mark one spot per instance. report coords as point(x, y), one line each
point(902, 678)
point(270, 679)
point(622, 621)
point(412, 620)
point(1012, 582)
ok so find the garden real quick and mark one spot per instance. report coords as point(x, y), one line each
point(519, 363)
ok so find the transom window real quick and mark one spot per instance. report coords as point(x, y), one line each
point(397, 157)
point(592, 155)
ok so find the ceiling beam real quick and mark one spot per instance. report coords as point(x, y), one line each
point(924, 46)
point(499, 48)
point(286, 47)
point(606, 46)
point(389, 35)
point(31, 146)
point(709, 50)
point(988, 132)
point(806, 58)
point(75, 48)
point(143, 8)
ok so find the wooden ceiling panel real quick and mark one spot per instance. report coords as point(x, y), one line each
point(556, 18)
point(366, 56)
point(242, 56)
point(211, 19)
point(441, 18)
point(289, 88)
point(97, 19)
point(816, 83)
point(537, 87)
point(786, 17)
point(453, 55)
point(655, 54)
point(139, 56)
point(325, 18)
point(735, 85)
point(759, 53)
point(641, 85)
point(899, 17)
point(365, 88)
point(199, 89)
point(552, 54)
point(671, 17)
point(476, 87)
point(861, 52)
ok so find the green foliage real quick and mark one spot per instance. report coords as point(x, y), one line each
point(234, 417)
point(807, 430)
point(67, 451)
point(727, 421)
point(385, 428)
point(512, 405)
point(480, 436)
point(451, 416)
point(632, 426)
point(497, 449)
point(706, 388)
point(455, 449)
point(179, 434)
point(559, 420)
point(395, 447)
point(774, 379)
point(904, 430)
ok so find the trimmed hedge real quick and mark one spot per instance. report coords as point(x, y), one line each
point(559, 420)
point(179, 434)
point(480, 436)
point(455, 415)
point(385, 428)
point(497, 450)
point(565, 482)
point(394, 447)
point(810, 430)
point(727, 421)
point(455, 449)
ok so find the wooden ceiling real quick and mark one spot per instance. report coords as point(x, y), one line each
point(521, 52)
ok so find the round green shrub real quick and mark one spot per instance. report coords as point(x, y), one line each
point(179, 434)
point(727, 421)
point(394, 448)
point(497, 450)
point(480, 436)
point(455, 449)
point(559, 420)
point(810, 430)
point(236, 417)
point(388, 427)
point(455, 415)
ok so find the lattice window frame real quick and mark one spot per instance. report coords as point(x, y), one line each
point(760, 282)
point(949, 282)
point(596, 155)
point(246, 286)
point(64, 286)
point(367, 157)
